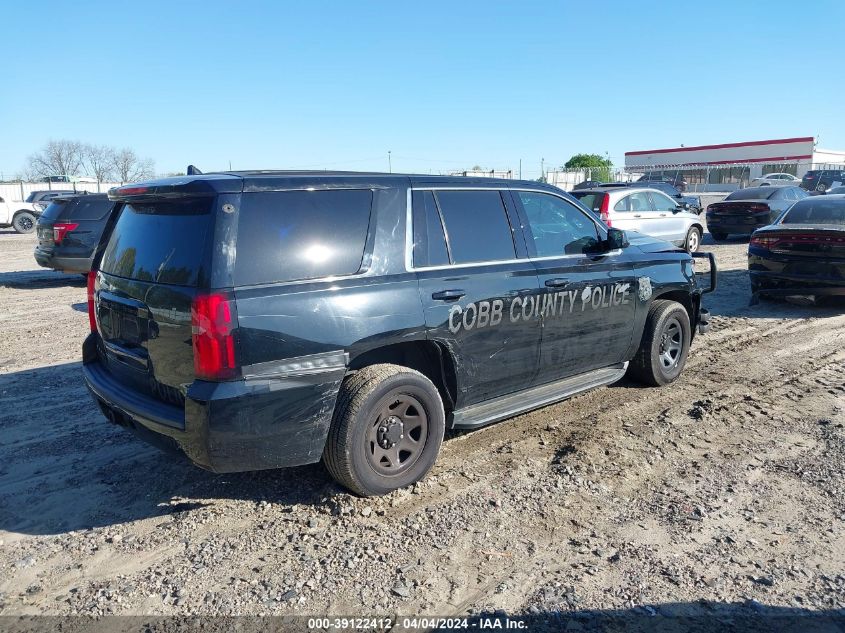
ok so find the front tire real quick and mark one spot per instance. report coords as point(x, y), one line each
point(387, 430)
point(693, 240)
point(24, 222)
point(665, 344)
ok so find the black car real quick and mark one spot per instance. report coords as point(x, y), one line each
point(746, 210)
point(803, 252)
point(676, 179)
point(70, 230)
point(821, 180)
point(268, 319)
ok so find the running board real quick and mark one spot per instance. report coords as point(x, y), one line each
point(490, 411)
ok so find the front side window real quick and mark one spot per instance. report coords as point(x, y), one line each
point(476, 225)
point(556, 226)
point(663, 202)
point(636, 202)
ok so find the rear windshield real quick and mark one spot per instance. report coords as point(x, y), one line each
point(590, 200)
point(161, 242)
point(756, 193)
point(816, 212)
point(295, 235)
point(53, 211)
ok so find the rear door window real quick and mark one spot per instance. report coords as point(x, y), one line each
point(296, 235)
point(476, 226)
point(429, 240)
point(636, 202)
point(160, 242)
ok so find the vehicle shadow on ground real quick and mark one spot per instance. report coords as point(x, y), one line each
point(699, 617)
point(63, 467)
point(39, 279)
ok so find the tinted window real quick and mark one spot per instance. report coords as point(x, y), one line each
point(476, 226)
point(30, 197)
point(635, 202)
point(429, 242)
point(816, 212)
point(87, 208)
point(53, 211)
point(590, 200)
point(292, 235)
point(557, 227)
point(162, 242)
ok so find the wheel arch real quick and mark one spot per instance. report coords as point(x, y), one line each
point(690, 301)
point(429, 358)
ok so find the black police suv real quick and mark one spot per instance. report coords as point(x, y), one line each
point(803, 252)
point(268, 319)
point(70, 230)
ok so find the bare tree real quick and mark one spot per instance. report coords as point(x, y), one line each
point(99, 161)
point(56, 157)
point(127, 167)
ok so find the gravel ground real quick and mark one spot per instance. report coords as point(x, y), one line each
point(723, 491)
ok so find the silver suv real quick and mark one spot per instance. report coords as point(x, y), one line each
point(644, 210)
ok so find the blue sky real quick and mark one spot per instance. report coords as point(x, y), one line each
point(442, 85)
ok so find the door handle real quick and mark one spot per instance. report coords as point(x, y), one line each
point(448, 295)
point(557, 282)
point(662, 215)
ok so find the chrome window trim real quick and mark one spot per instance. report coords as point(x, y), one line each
point(409, 228)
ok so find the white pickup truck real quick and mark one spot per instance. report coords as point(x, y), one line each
point(21, 216)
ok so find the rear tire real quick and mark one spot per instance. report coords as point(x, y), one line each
point(387, 430)
point(693, 240)
point(719, 236)
point(665, 345)
point(24, 222)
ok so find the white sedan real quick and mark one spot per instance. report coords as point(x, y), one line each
point(776, 180)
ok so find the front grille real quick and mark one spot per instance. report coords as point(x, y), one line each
point(166, 393)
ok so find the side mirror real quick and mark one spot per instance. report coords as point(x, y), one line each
point(616, 239)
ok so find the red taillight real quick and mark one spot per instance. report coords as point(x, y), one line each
point(60, 229)
point(132, 191)
point(759, 207)
point(604, 210)
point(763, 242)
point(213, 323)
point(92, 318)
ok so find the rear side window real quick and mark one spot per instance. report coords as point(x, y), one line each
point(429, 241)
point(53, 211)
point(161, 242)
point(295, 235)
point(476, 226)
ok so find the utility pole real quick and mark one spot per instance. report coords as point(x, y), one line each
point(520, 169)
point(389, 162)
point(543, 169)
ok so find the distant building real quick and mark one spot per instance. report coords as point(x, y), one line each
point(484, 173)
point(733, 165)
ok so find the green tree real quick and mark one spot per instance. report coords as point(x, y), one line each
point(599, 166)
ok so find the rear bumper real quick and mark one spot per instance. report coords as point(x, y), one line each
point(47, 259)
point(716, 226)
point(776, 273)
point(243, 425)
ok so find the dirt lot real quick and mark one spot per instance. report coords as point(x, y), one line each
point(724, 489)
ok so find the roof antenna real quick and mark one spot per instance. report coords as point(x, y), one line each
point(193, 171)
